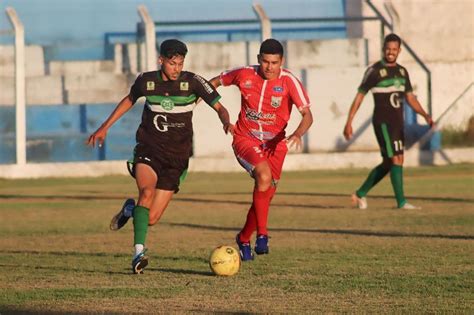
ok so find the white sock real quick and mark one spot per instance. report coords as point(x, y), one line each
point(138, 249)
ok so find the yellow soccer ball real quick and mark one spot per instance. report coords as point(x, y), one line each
point(224, 261)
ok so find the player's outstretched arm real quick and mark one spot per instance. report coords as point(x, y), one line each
point(413, 102)
point(224, 117)
point(216, 82)
point(294, 140)
point(352, 112)
point(99, 135)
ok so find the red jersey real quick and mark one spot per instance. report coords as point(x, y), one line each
point(266, 104)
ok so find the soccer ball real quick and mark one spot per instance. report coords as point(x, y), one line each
point(224, 261)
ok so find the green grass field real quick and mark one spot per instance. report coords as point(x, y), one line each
point(59, 256)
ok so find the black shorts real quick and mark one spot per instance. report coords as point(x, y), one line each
point(171, 171)
point(391, 139)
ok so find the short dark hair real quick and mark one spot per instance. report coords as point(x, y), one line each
point(173, 47)
point(271, 46)
point(392, 38)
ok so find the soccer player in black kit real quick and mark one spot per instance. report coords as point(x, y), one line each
point(164, 139)
point(390, 84)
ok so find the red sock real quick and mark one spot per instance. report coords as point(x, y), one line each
point(261, 202)
point(250, 226)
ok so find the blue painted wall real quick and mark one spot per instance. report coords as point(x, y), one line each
point(57, 133)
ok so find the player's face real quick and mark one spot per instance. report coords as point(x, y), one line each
point(270, 65)
point(391, 51)
point(171, 67)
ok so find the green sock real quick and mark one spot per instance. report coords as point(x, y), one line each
point(374, 177)
point(141, 216)
point(396, 176)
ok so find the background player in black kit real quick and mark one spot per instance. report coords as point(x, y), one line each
point(390, 84)
point(164, 139)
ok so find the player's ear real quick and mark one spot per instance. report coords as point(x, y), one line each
point(259, 58)
point(160, 60)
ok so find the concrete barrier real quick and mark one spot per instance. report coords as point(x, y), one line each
point(89, 67)
point(41, 90)
point(34, 64)
point(293, 162)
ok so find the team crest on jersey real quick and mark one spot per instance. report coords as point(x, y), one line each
point(397, 83)
point(278, 89)
point(276, 101)
point(167, 104)
point(383, 72)
point(150, 85)
point(248, 84)
point(402, 72)
point(184, 86)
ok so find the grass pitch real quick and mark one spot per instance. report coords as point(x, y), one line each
point(59, 256)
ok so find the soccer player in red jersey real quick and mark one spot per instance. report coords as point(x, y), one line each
point(268, 93)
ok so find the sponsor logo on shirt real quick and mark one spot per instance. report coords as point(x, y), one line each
point(383, 72)
point(167, 104)
point(150, 85)
point(266, 119)
point(276, 101)
point(162, 125)
point(184, 86)
point(278, 89)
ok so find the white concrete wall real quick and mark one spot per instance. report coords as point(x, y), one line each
point(89, 67)
point(34, 61)
point(41, 90)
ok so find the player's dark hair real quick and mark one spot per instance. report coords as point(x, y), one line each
point(392, 38)
point(271, 46)
point(173, 47)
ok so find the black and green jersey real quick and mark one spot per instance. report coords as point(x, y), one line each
point(388, 85)
point(167, 117)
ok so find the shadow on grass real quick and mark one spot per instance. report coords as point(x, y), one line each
point(182, 271)
point(181, 197)
point(334, 231)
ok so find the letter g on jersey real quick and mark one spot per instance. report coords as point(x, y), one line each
point(160, 122)
point(395, 100)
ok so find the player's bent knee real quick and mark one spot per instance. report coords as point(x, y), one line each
point(147, 195)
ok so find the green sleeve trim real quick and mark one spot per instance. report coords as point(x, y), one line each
point(215, 101)
point(361, 91)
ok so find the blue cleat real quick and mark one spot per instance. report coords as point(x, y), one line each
point(139, 262)
point(261, 245)
point(245, 249)
point(121, 218)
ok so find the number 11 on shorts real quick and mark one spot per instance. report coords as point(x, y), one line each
point(398, 144)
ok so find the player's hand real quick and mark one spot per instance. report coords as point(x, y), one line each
point(97, 137)
point(228, 128)
point(348, 131)
point(294, 140)
point(429, 121)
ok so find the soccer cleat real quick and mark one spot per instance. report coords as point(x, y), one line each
point(139, 262)
point(245, 249)
point(261, 245)
point(121, 218)
point(409, 206)
point(360, 203)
